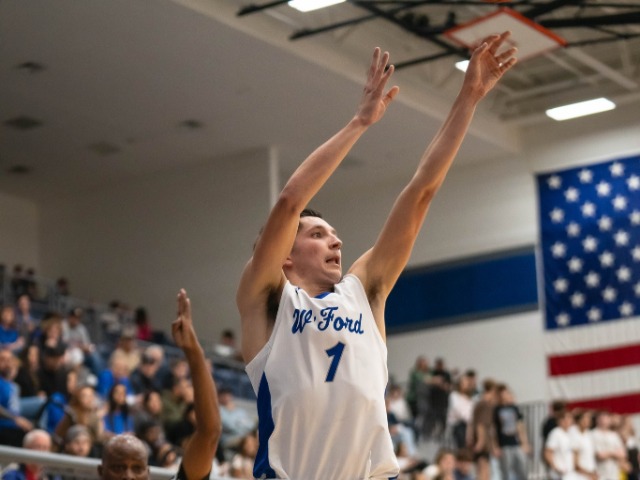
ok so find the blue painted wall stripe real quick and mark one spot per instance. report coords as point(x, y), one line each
point(467, 290)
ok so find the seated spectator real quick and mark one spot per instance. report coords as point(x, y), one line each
point(242, 462)
point(410, 467)
point(77, 442)
point(118, 419)
point(174, 404)
point(18, 285)
point(53, 374)
point(13, 425)
point(443, 467)
point(34, 440)
point(227, 347)
point(111, 321)
point(83, 409)
point(400, 433)
point(146, 377)
point(10, 338)
point(49, 333)
point(182, 431)
point(27, 377)
point(127, 350)
point(26, 320)
point(398, 405)
point(236, 421)
point(143, 325)
point(464, 465)
point(76, 335)
point(150, 409)
point(118, 372)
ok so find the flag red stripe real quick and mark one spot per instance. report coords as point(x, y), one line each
point(623, 404)
point(595, 360)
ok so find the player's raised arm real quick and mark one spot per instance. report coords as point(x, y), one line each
point(380, 267)
point(263, 274)
point(201, 447)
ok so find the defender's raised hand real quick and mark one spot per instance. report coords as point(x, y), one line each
point(374, 101)
point(486, 66)
point(182, 327)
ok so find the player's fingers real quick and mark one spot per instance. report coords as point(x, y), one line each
point(497, 41)
point(508, 64)
point(391, 94)
point(374, 62)
point(503, 57)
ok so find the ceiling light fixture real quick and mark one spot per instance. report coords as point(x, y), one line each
point(462, 65)
point(580, 109)
point(309, 5)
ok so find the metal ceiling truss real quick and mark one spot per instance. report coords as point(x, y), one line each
point(399, 12)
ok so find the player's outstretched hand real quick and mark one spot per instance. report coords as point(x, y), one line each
point(182, 328)
point(374, 100)
point(486, 66)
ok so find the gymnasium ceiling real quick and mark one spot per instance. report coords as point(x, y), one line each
point(95, 92)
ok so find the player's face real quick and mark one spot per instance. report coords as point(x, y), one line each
point(124, 463)
point(316, 253)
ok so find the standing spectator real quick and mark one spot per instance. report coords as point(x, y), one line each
point(511, 436)
point(34, 440)
point(481, 430)
point(459, 413)
point(435, 418)
point(582, 444)
point(440, 369)
point(558, 407)
point(558, 451)
point(610, 451)
point(419, 376)
point(10, 337)
point(628, 435)
point(12, 425)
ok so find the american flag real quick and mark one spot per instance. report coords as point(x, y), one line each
point(590, 241)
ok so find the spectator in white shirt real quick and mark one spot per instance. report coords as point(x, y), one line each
point(610, 451)
point(558, 452)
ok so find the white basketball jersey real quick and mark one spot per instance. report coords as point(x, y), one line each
point(320, 382)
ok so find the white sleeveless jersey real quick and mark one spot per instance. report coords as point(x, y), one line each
point(320, 383)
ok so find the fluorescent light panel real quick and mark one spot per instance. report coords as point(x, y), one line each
point(309, 5)
point(462, 65)
point(581, 109)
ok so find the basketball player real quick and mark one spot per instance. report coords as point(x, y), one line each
point(125, 456)
point(313, 340)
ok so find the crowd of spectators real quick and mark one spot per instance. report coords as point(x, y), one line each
point(55, 380)
point(588, 445)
